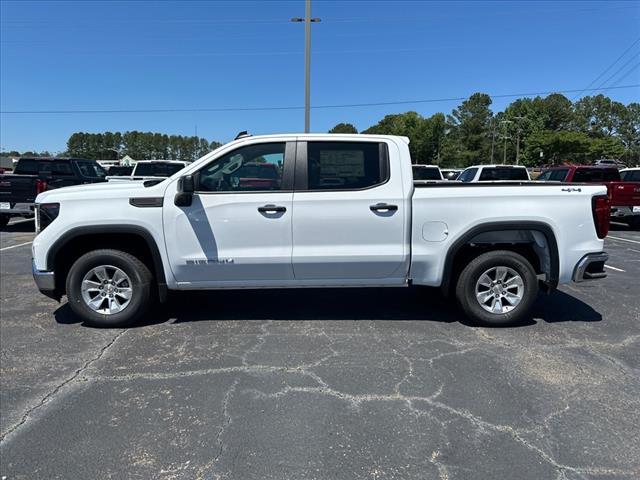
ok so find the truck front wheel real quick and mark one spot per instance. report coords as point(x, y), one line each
point(109, 288)
point(497, 288)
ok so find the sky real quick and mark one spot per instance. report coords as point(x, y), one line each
point(163, 55)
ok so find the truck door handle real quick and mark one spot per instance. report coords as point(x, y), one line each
point(383, 207)
point(271, 209)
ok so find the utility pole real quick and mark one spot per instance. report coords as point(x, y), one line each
point(518, 131)
point(307, 62)
point(493, 138)
point(505, 137)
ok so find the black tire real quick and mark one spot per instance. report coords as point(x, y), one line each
point(4, 220)
point(141, 287)
point(466, 288)
point(634, 223)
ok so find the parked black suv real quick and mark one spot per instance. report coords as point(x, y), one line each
point(31, 176)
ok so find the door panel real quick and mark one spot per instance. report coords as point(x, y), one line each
point(224, 238)
point(337, 235)
point(238, 230)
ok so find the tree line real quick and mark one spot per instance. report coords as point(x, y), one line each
point(531, 131)
point(138, 145)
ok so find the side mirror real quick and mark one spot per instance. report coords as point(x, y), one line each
point(186, 187)
point(187, 184)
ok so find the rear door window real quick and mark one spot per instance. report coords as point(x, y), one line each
point(61, 168)
point(346, 165)
point(91, 169)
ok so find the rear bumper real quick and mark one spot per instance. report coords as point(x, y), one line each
point(45, 281)
point(590, 267)
point(624, 211)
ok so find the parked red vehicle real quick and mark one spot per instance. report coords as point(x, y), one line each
point(256, 176)
point(624, 197)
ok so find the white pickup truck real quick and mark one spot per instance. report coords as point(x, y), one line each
point(284, 211)
point(150, 170)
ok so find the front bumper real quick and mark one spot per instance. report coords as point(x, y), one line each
point(45, 281)
point(590, 267)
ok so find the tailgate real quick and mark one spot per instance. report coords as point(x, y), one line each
point(624, 193)
point(17, 188)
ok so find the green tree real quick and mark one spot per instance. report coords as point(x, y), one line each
point(606, 147)
point(423, 144)
point(629, 133)
point(558, 147)
point(598, 116)
point(344, 128)
point(470, 131)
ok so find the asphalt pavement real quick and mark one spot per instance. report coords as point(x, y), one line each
point(322, 384)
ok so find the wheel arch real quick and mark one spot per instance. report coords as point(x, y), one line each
point(516, 236)
point(77, 241)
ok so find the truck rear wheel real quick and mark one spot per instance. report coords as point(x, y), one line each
point(4, 219)
point(109, 288)
point(497, 288)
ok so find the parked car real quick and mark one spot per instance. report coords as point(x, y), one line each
point(492, 173)
point(624, 196)
point(32, 176)
point(451, 173)
point(120, 170)
point(151, 170)
point(609, 162)
point(197, 230)
point(630, 174)
point(426, 172)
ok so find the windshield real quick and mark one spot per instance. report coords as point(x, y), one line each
point(157, 169)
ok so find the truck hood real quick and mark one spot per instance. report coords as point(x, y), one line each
point(106, 190)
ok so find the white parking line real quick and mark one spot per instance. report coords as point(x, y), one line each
point(15, 246)
point(614, 268)
point(624, 239)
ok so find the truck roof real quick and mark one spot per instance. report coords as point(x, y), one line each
point(55, 158)
point(324, 136)
point(581, 167)
point(496, 166)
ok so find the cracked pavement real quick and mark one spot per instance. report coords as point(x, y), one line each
point(323, 384)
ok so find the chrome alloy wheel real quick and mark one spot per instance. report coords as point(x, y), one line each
point(499, 290)
point(106, 289)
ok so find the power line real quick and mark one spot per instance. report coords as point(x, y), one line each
point(618, 70)
point(627, 73)
point(292, 107)
point(604, 72)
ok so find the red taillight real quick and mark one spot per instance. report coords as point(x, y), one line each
point(601, 214)
point(41, 186)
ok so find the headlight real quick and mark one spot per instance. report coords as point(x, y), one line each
point(45, 214)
